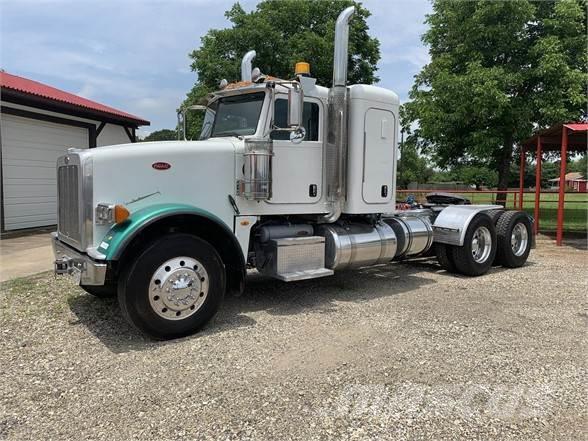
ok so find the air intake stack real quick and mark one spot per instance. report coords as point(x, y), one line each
point(336, 148)
point(246, 65)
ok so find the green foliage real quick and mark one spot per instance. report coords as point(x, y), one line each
point(579, 165)
point(471, 174)
point(161, 135)
point(498, 70)
point(549, 170)
point(412, 166)
point(282, 32)
point(477, 175)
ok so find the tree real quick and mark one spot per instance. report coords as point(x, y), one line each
point(162, 135)
point(477, 175)
point(498, 70)
point(283, 32)
point(412, 166)
point(579, 165)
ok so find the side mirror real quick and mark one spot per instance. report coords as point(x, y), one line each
point(182, 113)
point(295, 106)
point(294, 120)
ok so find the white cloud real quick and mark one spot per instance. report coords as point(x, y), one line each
point(133, 54)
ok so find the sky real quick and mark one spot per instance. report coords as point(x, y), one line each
point(133, 54)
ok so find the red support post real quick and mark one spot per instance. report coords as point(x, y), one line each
point(562, 186)
point(522, 177)
point(539, 158)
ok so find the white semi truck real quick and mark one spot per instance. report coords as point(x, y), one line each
point(288, 177)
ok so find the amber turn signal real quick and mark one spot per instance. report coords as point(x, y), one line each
point(121, 214)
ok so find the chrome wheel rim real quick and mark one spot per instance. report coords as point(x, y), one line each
point(178, 288)
point(481, 244)
point(519, 239)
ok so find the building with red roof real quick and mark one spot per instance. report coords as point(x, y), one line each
point(38, 123)
point(573, 181)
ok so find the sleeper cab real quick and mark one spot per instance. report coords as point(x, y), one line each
point(372, 152)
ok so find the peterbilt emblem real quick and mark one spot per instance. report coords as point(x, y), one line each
point(161, 165)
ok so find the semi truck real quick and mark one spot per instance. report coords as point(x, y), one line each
point(289, 178)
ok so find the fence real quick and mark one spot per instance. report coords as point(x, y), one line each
point(475, 196)
point(544, 209)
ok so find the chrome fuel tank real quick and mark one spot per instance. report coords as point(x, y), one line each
point(414, 234)
point(356, 245)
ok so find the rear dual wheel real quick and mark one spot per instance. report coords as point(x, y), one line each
point(494, 237)
point(444, 257)
point(514, 233)
point(476, 255)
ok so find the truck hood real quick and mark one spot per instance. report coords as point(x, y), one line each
point(196, 173)
point(159, 147)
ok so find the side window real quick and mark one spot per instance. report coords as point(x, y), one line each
point(310, 120)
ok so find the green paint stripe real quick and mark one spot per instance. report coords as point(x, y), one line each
point(118, 235)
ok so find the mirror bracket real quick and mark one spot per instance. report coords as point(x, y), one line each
point(295, 110)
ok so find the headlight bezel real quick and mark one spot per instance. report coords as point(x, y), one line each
point(104, 214)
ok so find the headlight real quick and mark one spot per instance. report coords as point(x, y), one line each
point(111, 214)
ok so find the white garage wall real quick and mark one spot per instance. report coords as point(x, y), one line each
point(112, 134)
point(29, 151)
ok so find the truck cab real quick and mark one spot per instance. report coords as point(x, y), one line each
point(289, 178)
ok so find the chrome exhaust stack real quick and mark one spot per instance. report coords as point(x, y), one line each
point(336, 145)
point(246, 63)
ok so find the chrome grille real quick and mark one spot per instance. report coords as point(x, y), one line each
point(68, 191)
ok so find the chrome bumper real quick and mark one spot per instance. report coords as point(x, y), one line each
point(68, 261)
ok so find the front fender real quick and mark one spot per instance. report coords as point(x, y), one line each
point(119, 236)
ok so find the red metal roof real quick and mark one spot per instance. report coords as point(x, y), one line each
point(551, 138)
point(24, 85)
point(577, 127)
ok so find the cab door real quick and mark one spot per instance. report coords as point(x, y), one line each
point(297, 168)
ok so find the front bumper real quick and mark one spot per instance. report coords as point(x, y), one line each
point(79, 265)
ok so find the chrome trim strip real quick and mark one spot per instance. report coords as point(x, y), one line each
point(87, 213)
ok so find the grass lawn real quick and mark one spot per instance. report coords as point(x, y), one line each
point(575, 214)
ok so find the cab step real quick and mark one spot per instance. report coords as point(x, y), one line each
point(296, 258)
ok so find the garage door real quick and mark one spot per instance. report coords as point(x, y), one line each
point(30, 149)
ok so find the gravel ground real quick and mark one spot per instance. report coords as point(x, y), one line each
point(403, 351)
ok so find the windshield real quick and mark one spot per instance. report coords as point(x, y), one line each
point(233, 116)
point(207, 123)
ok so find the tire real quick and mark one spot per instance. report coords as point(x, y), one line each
point(102, 292)
point(494, 215)
point(513, 232)
point(445, 257)
point(480, 233)
point(174, 286)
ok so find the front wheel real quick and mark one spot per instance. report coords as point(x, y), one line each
point(476, 255)
point(174, 287)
